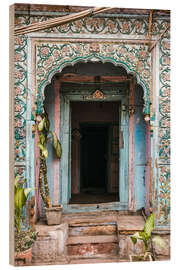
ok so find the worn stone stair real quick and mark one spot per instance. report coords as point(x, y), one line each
point(88, 238)
point(92, 241)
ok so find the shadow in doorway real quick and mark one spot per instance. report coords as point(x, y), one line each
point(94, 166)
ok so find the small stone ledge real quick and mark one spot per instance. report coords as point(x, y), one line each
point(129, 224)
point(51, 243)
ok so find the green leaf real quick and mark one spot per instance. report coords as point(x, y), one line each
point(19, 199)
point(57, 145)
point(55, 139)
point(59, 150)
point(43, 149)
point(134, 239)
point(42, 138)
point(40, 146)
point(41, 124)
point(47, 125)
point(159, 241)
point(16, 181)
point(149, 225)
point(137, 235)
point(45, 152)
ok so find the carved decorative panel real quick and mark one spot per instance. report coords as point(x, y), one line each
point(20, 88)
point(106, 26)
point(51, 57)
point(164, 132)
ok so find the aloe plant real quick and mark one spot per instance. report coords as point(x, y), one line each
point(20, 198)
point(145, 236)
point(45, 135)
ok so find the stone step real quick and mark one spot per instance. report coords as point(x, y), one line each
point(92, 229)
point(92, 239)
point(97, 257)
point(130, 223)
point(93, 250)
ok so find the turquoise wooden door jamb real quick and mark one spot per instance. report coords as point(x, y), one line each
point(123, 152)
point(65, 128)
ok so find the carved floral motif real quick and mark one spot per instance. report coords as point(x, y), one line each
point(95, 25)
point(53, 57)
point(164, 196)
point(164, 132)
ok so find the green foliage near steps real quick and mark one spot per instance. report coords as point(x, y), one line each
point(20, 198)
point(146, 235)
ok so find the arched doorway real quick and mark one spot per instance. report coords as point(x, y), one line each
point(83, 90)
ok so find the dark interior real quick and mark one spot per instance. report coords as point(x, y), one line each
point(94, 153)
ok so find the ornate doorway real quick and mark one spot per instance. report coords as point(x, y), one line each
point(95, 152)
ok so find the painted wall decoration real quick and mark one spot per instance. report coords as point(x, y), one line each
point(107, 26)
point(164, 132)
point(51, 57)
point(20, 92)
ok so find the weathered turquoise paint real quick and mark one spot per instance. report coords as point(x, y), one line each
point(139, 150)
point(114, 206)
point(65, 159)
point(65, 151)
point(124, 154)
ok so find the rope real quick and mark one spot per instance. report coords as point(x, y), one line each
point(145, 41)
point(162, 34)
point(58, 21)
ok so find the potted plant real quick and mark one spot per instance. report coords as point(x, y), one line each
point(23, 239)
point(53, 212)
point(145, 236)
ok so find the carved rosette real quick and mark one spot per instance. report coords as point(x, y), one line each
point(20, 86)
point(98, 95)
point(51, 58)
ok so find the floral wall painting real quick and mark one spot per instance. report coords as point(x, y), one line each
point(95, 84)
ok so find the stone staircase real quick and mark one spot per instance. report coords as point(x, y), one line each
point(88, 238)
point(92, 241)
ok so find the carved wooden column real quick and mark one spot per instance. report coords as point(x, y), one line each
point(131, 146)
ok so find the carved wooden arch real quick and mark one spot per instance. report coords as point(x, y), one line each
point(52, 57)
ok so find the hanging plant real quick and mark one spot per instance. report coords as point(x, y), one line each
point(45, 135)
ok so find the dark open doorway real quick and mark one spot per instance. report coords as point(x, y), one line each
point(94, 158)
point(95, 152)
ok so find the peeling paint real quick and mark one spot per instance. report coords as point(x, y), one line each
point(156, 163)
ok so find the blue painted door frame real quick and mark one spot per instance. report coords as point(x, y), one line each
point(65, 164)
